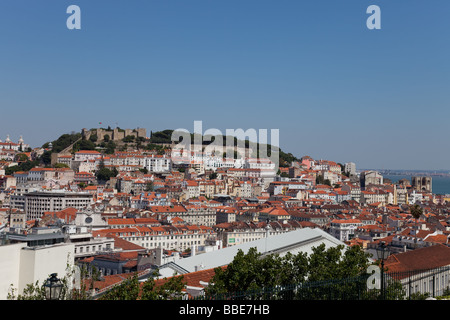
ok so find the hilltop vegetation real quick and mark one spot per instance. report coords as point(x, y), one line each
point(155, 142)
point(63, 141)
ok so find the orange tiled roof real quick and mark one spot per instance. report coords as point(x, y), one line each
point(420, 259)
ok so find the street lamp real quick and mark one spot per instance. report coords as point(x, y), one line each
point(382, 254)
point(53, 287)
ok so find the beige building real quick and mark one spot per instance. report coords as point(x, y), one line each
point(207, 188)
point(371, 197)
point(370, 177)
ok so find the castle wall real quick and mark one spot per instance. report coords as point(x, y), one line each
point(115, 134)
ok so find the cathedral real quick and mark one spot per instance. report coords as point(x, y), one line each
point(9, 145)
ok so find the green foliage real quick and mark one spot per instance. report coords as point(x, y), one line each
point(419, 296)
point(46, 157)
point(445, 294)
point(332, 263)
point(32, 291)
point(164, 136)
point(61, 165)
point(36, 291)
point(104, 174)
point(286, 159)
point(93, 137)
point(84, 145)
point(149, 187)
point(21, 157)
point(127, 290)
point(394, 291)
point(63, 141)
point(158, 148)
point(124, 147)
point(416, 211)
point(128, 139)
point(321, 180)
point(213, 176)
point(86, 284)
point(131, 289)
point(143, 170)
point(23, 166)
point(110, 147)
point(253, 272)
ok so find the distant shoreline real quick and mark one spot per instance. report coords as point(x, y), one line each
point(441, 173)
point(440, 181)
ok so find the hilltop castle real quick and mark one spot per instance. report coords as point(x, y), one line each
point(115, 134)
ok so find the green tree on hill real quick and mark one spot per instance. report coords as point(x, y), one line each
point(23, 166)
point(63, 141)
point(84, 145)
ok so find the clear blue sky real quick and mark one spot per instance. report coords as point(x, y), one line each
point(335, 89)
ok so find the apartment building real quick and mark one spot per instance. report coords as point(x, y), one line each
point(240, 232)
point(344, 229)
point(350, 168)
point(38, 202)
point(158, 163)
point(84, 155)
point(200, 215)
point(169, 237)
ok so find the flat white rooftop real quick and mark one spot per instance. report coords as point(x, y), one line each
point(301, 240)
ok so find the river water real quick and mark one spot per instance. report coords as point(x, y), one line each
point(439, 184)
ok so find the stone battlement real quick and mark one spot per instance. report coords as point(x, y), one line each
point(115, 134)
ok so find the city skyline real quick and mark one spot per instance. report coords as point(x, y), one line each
point(335, 89)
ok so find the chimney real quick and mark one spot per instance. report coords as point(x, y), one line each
point(159, 256)
point(199, 267)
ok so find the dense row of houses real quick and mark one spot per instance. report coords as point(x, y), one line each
point(154, 212)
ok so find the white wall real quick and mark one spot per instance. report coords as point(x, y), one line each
point(20, 265)
point(36, 264)
point(9, 268)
